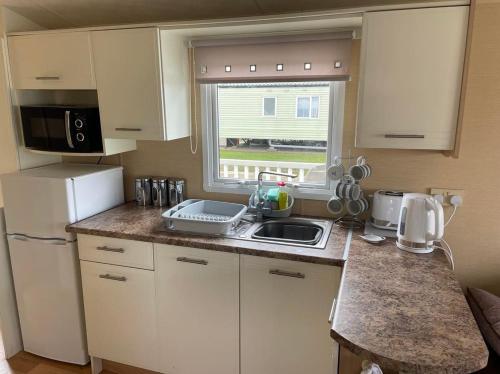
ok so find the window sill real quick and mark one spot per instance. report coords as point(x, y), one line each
point(297, 192)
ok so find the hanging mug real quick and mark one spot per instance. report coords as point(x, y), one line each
point(336, 206)
point(361, 170)
point(336, 171)
point(348, 189)
point(356, 207)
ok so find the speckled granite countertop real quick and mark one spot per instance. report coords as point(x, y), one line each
point(404, 311)
point(146, 224)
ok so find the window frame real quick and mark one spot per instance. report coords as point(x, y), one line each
point(213, 183)
point(310, 106)
point(275, 106)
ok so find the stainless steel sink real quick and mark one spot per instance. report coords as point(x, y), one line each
point(302, 232)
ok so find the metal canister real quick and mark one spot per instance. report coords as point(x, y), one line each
point(143, 191)
point(159, 191)
point(176, 191)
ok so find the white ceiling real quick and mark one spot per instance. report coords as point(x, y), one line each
point(54, 14)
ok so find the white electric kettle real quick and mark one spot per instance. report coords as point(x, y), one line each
point(421, 222)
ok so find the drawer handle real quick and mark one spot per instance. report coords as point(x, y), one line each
point(404, 136)
point(287, 274)
point(192, 260)
point(330, 319)
point(54, 78)
point(112, 277)
point(127, 129)
point(109, 249)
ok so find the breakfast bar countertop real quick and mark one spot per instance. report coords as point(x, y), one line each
point(404, 311)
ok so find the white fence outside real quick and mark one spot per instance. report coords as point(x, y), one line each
point(249, 169)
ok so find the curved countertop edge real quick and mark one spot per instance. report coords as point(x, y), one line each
point(355, 331)
point(404, 367)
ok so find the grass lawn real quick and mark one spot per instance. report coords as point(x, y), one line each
point(242, 154)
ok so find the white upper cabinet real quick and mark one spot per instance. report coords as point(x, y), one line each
point(410, 78)
point(59, 61)
point(131, 87)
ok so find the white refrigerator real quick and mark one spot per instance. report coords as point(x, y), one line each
point(39, 203)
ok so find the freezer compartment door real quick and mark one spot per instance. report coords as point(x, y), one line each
point(49, 298)
point(38, 207)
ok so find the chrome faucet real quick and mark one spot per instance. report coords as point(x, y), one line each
point(259, 206)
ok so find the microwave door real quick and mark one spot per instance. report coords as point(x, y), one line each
point(35, 131)
point(58, 125)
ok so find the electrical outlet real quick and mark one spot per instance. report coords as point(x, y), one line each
point(447, 193)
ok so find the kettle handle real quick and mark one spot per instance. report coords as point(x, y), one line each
point(432, 205)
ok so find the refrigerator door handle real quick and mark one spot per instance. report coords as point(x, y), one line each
point(57, 241)
point(19, 237)
point(26, 238)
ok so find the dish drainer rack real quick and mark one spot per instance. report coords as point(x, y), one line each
point(204, 216)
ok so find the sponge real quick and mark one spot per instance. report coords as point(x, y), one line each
point(273, 194)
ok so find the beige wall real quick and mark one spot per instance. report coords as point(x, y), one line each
point(8, 153)
point(472, 234)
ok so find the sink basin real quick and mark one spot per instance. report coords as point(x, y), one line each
point(294, 232)
point(302, 232)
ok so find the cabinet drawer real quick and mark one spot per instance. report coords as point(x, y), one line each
point(116, 251)
point(52, 61)
point(120, 314)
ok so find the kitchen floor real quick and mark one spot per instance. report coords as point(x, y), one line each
point(26, 363)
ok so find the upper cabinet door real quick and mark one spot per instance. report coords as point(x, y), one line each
point(410, 78)
point(52, 61)
point(129, 83)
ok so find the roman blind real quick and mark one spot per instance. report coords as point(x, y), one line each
point(325, 56)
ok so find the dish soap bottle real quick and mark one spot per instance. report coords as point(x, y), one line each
point(282, 196)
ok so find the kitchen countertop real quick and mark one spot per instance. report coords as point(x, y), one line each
point(132, 222)
point(404, 311)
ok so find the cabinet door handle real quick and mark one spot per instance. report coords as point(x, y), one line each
point(127, 129)
point(109, 249)
point(47, 78)
point(404, 136)
point(192, 260)
point(330, 318)
point(112, 277)
point(287, 274)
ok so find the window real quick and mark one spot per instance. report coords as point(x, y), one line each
point(308, 107)
point(269, 106)
point(242, 135)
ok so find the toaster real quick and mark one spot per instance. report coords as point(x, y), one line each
point(385, 209)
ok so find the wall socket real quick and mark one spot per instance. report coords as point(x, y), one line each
point(447, 194)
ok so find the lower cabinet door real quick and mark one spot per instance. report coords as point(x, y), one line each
point(198, 310)
point(285, 308)
point(120, 314)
